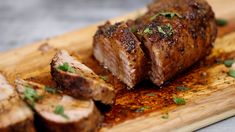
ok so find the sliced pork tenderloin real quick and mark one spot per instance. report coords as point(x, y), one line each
point(78, 80)
point(15, 115)
point(58, 112)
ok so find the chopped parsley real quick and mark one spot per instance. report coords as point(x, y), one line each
point(105, 78)
point(179, 101)
point(166, 14)
point(221, 22)
point(231, 73)
point(148, 31)
point(67, 68)
point(165, 116)
point(59, 110)
point(228, 63)
point(182, 88)
point(50, 90)
point(151, 94)
point(165, 30)
point(31, 95)
point(142, 109)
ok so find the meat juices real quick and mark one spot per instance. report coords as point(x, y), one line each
point(80, 82)
point(58, 112)
point(15, 115)
point(118, 49)
point(175, 34)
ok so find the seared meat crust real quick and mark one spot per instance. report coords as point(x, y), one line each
point(118, 49)
point(175, 43)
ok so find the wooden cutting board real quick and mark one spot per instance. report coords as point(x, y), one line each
point(211, 102)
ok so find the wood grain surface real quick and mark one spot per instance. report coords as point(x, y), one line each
point(213, 102)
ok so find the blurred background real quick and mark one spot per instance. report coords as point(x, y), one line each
point(27, 21)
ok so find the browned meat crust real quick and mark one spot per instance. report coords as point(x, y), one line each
point(117, 48)
point(88, 124)
point(175, 34)
point(15, 115)
point(83, 83)
point(77, 114)
point(186, 37)
point(26, 125)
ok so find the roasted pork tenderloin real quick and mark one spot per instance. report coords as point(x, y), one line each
point(15, 115)
point(58, 112)
point(176, 34)
point(77, 80)
point(118, 49)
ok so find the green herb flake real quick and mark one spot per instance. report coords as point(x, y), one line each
point(31, 95)
point(179, 101)
point(231, 73)
point(221, 22)
point(166, 14)
point(59, 110)
point(160, 30)
point(67, 68)
point(50, 90)
point(228, 63)
point(165, 30)
point(142, 109)
point(105, 78)
point(182, 88)
point(169, 29)
point(165, 116)
point(151, 94)
point(148, 31)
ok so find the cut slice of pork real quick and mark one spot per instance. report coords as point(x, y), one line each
point(78, 80)
point(58, 112)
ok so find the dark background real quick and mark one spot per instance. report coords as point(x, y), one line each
point(26, 21)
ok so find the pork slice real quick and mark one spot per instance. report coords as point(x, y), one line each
point(118, 49)
point(58, 112)
point(80, 82)
point(15, 115)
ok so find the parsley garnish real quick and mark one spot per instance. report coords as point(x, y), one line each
point(148, 31)
point(165, 116)
point(59, 110)
point(182, 88)
point(151, 94)
point(142, 109)
point(231, 73)
point(67, 68)
point(50, 90)
point(221, 22)
point(31, 95)
point(166, 30)
point(166, 14)
point(228, 63)
point(179, 101)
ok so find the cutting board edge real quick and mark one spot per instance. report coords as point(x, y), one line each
point(207, 121)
